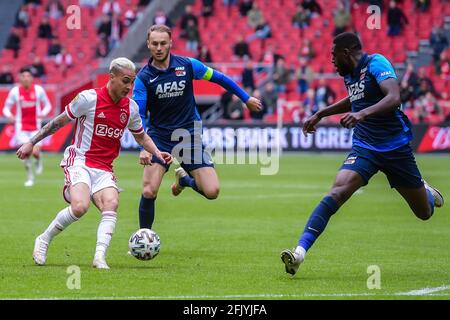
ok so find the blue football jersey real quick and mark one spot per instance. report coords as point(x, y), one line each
point(383, 132)
point(166, 97)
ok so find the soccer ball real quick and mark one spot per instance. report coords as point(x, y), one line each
point(144, 244)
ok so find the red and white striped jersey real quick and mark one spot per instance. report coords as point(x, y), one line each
point(100, 124)
point(31, 105)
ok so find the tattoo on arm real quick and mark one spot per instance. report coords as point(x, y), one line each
point(51, 127)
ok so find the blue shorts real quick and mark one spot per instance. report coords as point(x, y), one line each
point(189, 151)
point(398, 165)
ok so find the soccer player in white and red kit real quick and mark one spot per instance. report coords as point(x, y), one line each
point(32, 105)
point(101, 117)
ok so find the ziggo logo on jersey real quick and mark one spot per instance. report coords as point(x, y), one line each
point(104, 131)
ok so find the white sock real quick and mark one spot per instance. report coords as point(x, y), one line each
point(300, 251)
point(63, 219)
point(105, 232)
point(28, 167)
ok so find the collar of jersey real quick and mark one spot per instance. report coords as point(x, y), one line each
point(360, 65)
point(171, 65)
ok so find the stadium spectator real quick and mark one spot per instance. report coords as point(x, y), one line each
point(438, 42)
point(207, 10)
point(262, 32)
point(281, 75)
point(313, 7)
point(130, 16)
point(22, 19)
point(37, 68)
point(304, 75)
point(54, 47)
point(309, 103)
point(234, 110)
point(248, 79)
point(301, 18)
point(422, 5)
point(104, 27)
point(244, 7)
point(110, 7)
point(444, 66)
point(89, 175)
point(204, 55)
point(307, 50)
point(424, 84)
point(255, 17)
point(54, 9)
point(63, 61)
point(269, 98)
point(161, 18)
point(427, 109)
point(324, 95)
point(45, 30)
point(396, 19)
point(32, 105)
point(116, 31)
point(6, 76)
point(342, 19)
point(188, 16)
point(270, 56)
point(192, 36)
point(408, 84)
point(102, 49)
point(241, 49)
point(90, 4)
point(13, 42)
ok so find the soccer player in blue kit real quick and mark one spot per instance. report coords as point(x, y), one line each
point(164, 92)
point(381, 137)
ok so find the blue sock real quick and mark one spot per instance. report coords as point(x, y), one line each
point(430, 200)
point(146, 212)
point(188, 181)
point(317, 222)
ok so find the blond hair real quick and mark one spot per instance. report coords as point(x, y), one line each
point(121, 63)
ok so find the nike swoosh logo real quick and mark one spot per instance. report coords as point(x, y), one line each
point(153, 80)
point(309, 228)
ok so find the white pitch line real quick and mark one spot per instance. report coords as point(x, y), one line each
point(424, 291)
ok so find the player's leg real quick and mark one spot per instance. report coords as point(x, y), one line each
point(21, 138)
point(355, 173)
point(151, 182)
point(80, 198)
point(38, 159)
point(107, 201)
point(205, 181)
point(403, 174)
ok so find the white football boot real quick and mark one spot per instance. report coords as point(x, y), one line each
point(40, 251)
point(176, 187)
point(100, 262)
point(29, 183)
point(438, 198)
point(291, 260)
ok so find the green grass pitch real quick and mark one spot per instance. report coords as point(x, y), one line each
point(229, 248)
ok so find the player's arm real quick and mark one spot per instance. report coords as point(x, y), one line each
point(47, 130)
point(339, 107)
point(47, 105)
point(9, 103)
point(202, 72)
point(147, 143)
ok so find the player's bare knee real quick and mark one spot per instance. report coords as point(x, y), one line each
point(150, 193)
point(79, 208)
point(110, 204)
point(211, 193)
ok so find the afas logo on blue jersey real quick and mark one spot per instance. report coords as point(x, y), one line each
point(170, 89)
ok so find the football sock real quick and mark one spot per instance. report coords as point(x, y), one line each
point(63, 219)
point(146, 212)
point(317, 222)
point(430, 200)
point(188, 181)
point(29, 169)
point(105, 231)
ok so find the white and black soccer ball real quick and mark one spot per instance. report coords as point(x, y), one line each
point(144, 244)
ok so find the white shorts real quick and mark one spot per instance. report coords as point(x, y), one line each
point(25, 136)
point(95, 179)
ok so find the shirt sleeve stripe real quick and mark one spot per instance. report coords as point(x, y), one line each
point(208, 74)
point(141, 129)
point(69, 113)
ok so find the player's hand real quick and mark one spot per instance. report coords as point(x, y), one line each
point(310, 124)
point(351, 119)
point(25, 150)
point(253, 104)
point(164, 157)
point(145, 158)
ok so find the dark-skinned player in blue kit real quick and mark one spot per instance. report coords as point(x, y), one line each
point(164, 92)
point(381, 142)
